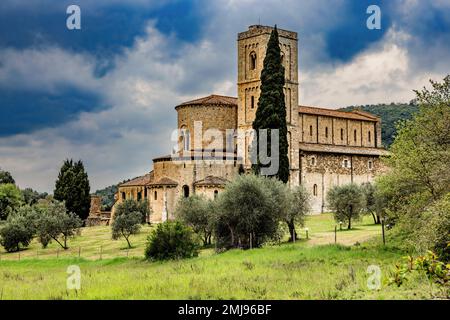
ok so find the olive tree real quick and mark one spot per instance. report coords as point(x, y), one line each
point(128, 218)
point(247, 216)
point(54, 222)
point(299, 205)
point(197, 212)
point(18, 232)
point(346, 202)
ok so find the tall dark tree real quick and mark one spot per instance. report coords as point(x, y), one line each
point(73, 187)
point(271, 112)
point(6, 177)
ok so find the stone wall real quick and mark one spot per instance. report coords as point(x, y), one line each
point(321, 171)
point(220, 117)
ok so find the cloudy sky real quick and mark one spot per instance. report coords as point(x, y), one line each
point(106, 93)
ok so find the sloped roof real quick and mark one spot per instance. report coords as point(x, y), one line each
point(213, 99)
point(211, 180)
point(164, 181)
point(312, 147)
point(354, 115)
point(139, 181)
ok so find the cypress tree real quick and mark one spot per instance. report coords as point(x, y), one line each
point(271, 112)
point(73, 188)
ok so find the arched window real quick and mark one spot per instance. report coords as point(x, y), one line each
point(145, 193)
point(156, 195)
point(346, 163)
point(342, 134)
point(355, 135)
point(252, 102)
point(123, 196)
point(370, 137)
point(310, 131)
point(186, 139)
point(186, 191)
point(253, 60)
point(315, 190)
point(370, 165)
point(216, 193)
point(326, 132)
point(313, 161)
point(139, 196)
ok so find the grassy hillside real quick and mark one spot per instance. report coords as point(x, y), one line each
point(390, 115)
point(308, 269)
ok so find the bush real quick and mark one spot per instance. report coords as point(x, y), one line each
point(17, 232)
point(347, 203)
point(433, 233)
point(172, 240)
point(197, 212)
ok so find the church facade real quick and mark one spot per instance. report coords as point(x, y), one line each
point(326, 147)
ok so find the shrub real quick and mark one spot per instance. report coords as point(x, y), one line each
point(172, 240)
point(197, 212)
point(433, 232)
point(17, 232)
point(347, 202)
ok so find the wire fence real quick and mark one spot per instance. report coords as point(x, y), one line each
point(89, 253)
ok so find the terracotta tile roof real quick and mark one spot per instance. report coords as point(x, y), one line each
point(139, 181)
point(354, 115)
point(164, 181)
point(168, 157)
point(211, 180)
point(312, 147)
point(212, 99)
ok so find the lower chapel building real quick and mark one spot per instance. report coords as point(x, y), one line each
point(326, 147)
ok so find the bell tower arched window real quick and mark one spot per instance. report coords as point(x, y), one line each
point(253, 60)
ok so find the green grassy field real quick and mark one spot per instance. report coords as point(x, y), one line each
point(308, 269)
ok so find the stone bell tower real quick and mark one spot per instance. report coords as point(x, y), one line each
point(252, 46)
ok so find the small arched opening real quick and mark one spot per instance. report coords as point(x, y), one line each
point(186, 191)
point(253, 60)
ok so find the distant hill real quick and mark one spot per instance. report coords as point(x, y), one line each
point(390, 114)
point(107, 195)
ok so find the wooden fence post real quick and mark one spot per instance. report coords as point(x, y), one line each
point(335, 234)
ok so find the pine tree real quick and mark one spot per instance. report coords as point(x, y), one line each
point(73, 187)
point(271, 112)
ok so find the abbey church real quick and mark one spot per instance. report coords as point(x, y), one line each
point(326, 147)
